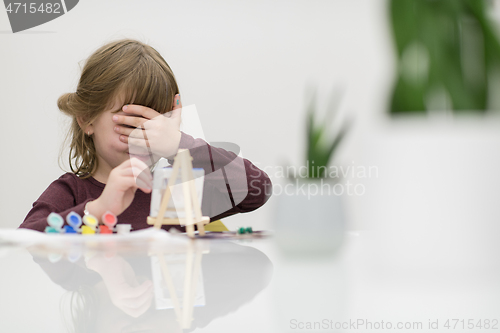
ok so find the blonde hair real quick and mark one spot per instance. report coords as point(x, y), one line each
point(127, 67)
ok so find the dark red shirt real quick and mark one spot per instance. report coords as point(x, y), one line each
point(232, 185)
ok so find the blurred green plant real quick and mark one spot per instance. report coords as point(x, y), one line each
point(322, 142)
point(448, 56)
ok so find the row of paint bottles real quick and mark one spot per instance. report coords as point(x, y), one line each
point(91, 224)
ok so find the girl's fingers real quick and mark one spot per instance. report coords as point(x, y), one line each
point(136, 294)
point(177, 102)
point(129, 120)
point(176, 108)
point(138, 311)
point(135, 300)
point(144, 306)
point(140, 110)
point(141, 184)
point(142, 174)
point(139, 171)
point(138, 146)
point(130, 132)
point(130, 180)
point(143, 296)
point(139, 142)
point(135, 162)
point(175, 113)
point(140, 153)
point(140, 132)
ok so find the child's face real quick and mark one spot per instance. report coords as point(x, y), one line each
point(111, 152)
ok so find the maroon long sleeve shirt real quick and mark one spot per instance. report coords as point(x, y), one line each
point(232, 185)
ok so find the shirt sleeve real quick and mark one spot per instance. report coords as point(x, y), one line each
point(59, 197)
point(232, 184)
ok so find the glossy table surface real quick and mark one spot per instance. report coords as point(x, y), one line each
point(157, 282)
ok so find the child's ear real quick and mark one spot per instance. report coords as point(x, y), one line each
point(81, 122)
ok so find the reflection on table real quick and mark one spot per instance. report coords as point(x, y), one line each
point(169, 288)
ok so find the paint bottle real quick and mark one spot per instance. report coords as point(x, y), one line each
point(74, 220)
point(109, 219)
point(55, 222)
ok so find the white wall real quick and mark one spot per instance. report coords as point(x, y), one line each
point(245, 66)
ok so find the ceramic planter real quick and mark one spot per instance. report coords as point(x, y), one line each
point(309, 220)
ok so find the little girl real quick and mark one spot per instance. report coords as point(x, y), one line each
point(125, 116)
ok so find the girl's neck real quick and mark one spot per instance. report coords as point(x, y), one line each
point(100, 177)
point(103, 170)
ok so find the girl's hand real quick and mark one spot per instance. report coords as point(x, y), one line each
point(152, 133)
point(123, 285)
point(120, 188)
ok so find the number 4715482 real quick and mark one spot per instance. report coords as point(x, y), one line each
point(47, 7)
point(471, 324)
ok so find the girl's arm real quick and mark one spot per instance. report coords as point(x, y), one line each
point(232, 184)
point(59, 197)
point(69, 193)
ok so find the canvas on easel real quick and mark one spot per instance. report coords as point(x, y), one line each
point(190, 201)
point(175, 206)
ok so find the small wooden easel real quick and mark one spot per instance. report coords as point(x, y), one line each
point(183, 161)
point(184, 308)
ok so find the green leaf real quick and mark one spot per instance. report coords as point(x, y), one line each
point(318, 152)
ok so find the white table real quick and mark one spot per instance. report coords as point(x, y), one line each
point(376, 279)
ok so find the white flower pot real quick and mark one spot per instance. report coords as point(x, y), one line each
point(308, 220)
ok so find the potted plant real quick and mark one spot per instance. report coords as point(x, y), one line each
point(436, 143)
point(448, 57)
point(309, 215)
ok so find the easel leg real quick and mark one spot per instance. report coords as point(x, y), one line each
point(190, 230)
point(195, 273)
point(170, 286)
point(201, 228)
point(187, 198)
point(186, 314)
point(167, 195)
